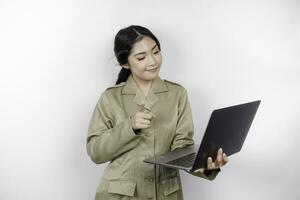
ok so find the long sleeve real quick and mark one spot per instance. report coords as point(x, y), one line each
point(184, 128)
point(106, 141)
point(185, 131)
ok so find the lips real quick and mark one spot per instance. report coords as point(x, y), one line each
point(152, 70)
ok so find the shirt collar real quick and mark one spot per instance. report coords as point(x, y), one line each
point(131, 87)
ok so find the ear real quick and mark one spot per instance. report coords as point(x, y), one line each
point(126, 66)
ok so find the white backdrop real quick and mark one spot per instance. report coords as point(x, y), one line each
point(56, 58)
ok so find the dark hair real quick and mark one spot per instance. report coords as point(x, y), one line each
point(124, 41)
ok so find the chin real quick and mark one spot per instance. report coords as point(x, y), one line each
point(151, 77)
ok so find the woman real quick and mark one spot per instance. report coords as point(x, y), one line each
point(141, 116)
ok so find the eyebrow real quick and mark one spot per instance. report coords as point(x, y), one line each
point(145, 52)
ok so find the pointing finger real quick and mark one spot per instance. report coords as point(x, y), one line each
point(146, 115)
point(141, 107)
point(152, 114)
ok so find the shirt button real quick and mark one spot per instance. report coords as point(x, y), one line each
point(147, 134)
point(149, 179)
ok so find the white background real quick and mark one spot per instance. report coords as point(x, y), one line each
point(56, 58)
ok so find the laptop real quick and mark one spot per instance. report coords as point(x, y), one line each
point(227, 129)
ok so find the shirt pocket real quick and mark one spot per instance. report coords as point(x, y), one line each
point(122, 187)
point(170, 186)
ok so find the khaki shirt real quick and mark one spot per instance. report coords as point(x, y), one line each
point(111, 138)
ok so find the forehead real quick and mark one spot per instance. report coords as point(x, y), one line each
point(145, 44)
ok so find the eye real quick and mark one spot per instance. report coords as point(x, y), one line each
point(156, 52)
point(141, 58)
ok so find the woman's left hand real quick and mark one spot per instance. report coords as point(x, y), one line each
point(220, 161)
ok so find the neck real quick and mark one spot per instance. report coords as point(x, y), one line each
point(143, 85)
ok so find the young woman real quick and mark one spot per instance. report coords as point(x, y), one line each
point(139, 117)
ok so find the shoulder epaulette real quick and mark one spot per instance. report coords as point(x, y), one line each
point(172, 82)
point(116, 86)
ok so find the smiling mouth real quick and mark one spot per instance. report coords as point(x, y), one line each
point(152, 70)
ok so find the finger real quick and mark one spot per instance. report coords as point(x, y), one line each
point(220, 152)
point(148, 111)
point(225, 158)
point(142, 114)
point(147, 116)
point(152, 114)
point(144, 121)
point(219, 156)
point(209, 163)
point(201, 170)
point(141, 107)
point(142, 126)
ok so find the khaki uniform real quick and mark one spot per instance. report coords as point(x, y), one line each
point(111, 138)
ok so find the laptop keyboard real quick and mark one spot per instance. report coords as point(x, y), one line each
point(185, 161)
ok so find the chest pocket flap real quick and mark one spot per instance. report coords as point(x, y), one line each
point(170, 185)
point(122, 187)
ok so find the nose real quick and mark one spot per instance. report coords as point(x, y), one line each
point(151, 61)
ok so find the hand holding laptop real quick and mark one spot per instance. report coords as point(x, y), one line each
point(226, 128)
point(220, 161)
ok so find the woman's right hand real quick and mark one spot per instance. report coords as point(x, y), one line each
point(142, 118)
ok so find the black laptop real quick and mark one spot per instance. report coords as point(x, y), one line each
point(227, 129)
